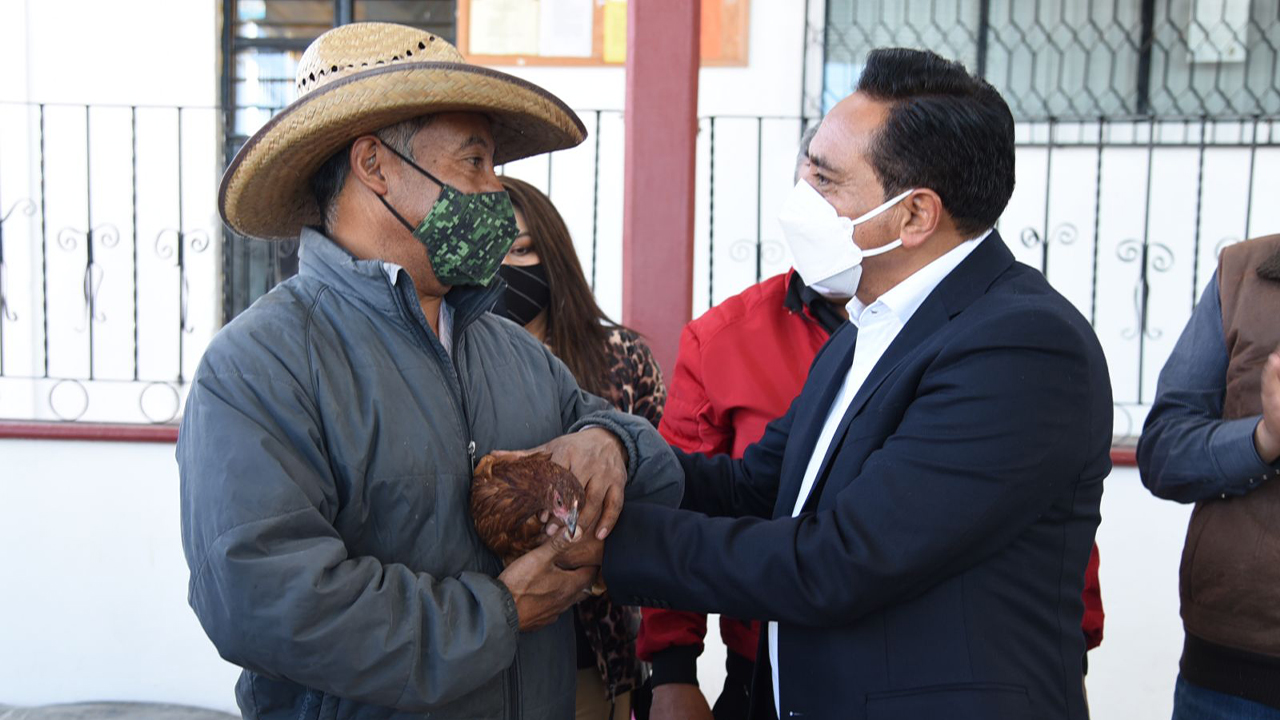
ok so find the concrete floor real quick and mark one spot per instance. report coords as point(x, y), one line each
point(103, 711)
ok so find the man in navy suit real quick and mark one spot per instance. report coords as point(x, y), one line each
point(916, 528)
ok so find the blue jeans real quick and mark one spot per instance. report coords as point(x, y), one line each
point(1191, 702)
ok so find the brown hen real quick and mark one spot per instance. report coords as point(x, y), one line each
point(513, 500)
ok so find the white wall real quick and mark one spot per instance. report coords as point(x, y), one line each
point(94, 606)
point(1131, 674)
point(148, 52)
point(95, 585)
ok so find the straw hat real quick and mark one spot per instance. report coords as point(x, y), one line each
point(359, 78)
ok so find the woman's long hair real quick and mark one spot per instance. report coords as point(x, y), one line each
point(577, 329)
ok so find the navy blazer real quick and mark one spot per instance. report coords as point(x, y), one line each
point(937, 568)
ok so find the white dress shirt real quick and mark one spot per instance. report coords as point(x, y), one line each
point(878, 324)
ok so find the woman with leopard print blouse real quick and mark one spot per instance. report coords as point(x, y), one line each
point(548, 294)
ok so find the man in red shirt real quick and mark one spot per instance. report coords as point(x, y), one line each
point(739, 367)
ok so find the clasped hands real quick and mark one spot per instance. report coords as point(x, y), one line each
point(548, 580)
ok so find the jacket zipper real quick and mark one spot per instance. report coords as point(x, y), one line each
point(458, 394)
point(462, 402)
point(459, 397)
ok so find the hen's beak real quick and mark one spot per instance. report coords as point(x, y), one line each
point(572, 524)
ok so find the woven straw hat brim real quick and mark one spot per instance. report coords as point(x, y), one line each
point(265, 192)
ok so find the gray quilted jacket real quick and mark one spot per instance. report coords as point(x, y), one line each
point(325, 456)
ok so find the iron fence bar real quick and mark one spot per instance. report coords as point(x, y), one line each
point(1195, 252)
point(595, 205)
point(228, 271)
point(106, 105)
point(1097, 224)
point(549, 157)
point(1048, 185)
point(133, 177)
point(74, 378)
point(711, 218)
point(826, 28)
point(90, 295)
point(246, 246)
point(342, 12)
point(227, 88)
point(984, 29)
point(1118, 117)
point(245, 43)
point(227, 105)
point(804, 56)
point(182, 266)
point(1220, 146)
point(1146, 248)
point(44, 251)
point(1146, 42)
point(737, 116)
point(1253, 157)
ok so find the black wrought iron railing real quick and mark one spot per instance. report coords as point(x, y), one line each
point(1125, 217)
point(105, 257)
point(115, 272)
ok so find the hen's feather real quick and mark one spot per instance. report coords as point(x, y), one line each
point(509, 498)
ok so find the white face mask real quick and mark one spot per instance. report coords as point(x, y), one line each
point(821, 241)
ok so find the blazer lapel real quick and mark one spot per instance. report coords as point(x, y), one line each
point(927, 319)
point(809, 425)
point(956, 292)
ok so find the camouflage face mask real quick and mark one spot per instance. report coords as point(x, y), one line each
point(466, 235)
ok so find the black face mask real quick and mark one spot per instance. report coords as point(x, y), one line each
point(527, 292)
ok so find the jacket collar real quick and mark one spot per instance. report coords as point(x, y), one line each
point(367, 281)
point(957, 291)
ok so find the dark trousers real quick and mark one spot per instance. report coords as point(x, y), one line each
point(1192, 702)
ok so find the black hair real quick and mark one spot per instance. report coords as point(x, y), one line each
point(328, 179)
point(946, 130)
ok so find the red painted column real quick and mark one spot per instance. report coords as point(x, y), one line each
point(658, 206)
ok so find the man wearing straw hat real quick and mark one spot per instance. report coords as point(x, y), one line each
point(329, 438)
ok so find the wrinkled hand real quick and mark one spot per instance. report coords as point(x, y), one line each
point(598, 459)
point(542, 590)
point(679, 701)
point(1267, 435)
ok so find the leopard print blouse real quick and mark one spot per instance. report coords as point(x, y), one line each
point(636, 387)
